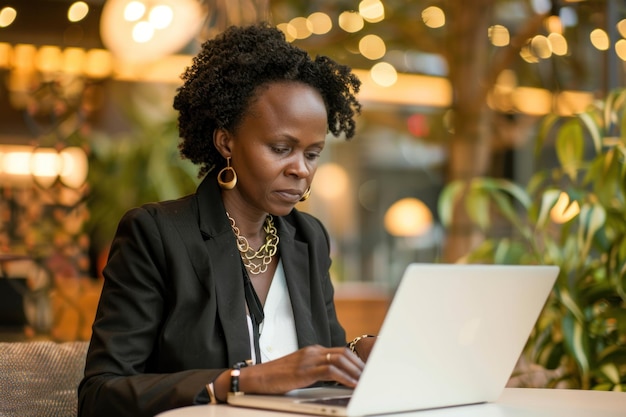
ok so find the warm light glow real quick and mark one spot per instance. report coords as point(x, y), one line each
point(499, 35)
point(409, 89)
point(507, 80)
point(135, 33)
point(320, 23)
point(20, 164)
point(301, 26)
point(558, 43)
point(384, 74)
point(569, 102)
point(24, 56)
point(74, 166)
point(372, 10)
point(600, 39)
point(6, 53)
point(99, 63)
point(161, 16)
point(16, 160)
point(289, 31)
point(165, 70)
point(620, 49)
point(45, 165)
point(331, 182)
point(408, 217)
point(554, 25)
point(143, 32)
point(433, 17)
point(351, 22)
point(540, 47)
point(134, 11)
point(563, 211)
point(372, 47)
point(74, 60)
point(7, 16)
point(77, 11)
point(537, 101)
point(621, 27)
point(533, 101)
point(49, 59)
point(527, 55)
point(500, 97)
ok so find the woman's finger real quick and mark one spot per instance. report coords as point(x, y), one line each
point(342, 366)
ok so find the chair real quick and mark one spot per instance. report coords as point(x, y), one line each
point(40, 378)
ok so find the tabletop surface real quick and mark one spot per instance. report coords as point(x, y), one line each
point(514, 402)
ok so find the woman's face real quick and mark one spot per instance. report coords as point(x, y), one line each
point(276, 148)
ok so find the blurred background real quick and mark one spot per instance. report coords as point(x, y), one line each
point(451, 90)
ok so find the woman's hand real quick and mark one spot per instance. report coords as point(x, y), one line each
point(300, 369)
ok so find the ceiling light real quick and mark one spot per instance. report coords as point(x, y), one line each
point(138, 31)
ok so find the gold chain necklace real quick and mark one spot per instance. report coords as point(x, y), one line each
point(265, 252)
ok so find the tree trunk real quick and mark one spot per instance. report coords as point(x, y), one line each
point(469, 148)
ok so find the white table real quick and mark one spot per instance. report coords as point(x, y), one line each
point(514, 402)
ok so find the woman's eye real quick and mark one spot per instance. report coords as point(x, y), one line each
point(280, 150)
point(312, 155)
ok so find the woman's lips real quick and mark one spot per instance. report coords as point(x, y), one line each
point(291, 196)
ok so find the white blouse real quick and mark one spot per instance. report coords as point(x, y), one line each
point(278, 330)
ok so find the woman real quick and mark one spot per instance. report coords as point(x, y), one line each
point(233, 273)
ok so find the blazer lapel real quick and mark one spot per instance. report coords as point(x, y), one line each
point(216, 262)
point(294, 255)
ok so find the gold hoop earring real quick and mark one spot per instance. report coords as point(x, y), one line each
point(306, 195)
point(226, 171)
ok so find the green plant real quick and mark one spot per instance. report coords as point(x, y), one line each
point(139, 164)
point(573, 215)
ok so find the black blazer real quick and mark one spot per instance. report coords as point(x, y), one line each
point(172, 314)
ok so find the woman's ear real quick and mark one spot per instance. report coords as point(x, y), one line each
point(221, 140)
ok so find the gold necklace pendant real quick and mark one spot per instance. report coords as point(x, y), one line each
point(264, 254)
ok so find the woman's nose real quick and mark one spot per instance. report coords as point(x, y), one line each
point(298, 166)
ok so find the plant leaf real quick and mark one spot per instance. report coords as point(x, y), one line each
point(545, 127)
point(592, 218)
point(610, 371)
point(570, 304)
point(570, 147)
point(450, 194)
point(477, 206)
point(575, 339)
point(548, 199)
point(593, 129)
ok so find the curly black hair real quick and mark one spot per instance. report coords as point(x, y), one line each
point(226, 74)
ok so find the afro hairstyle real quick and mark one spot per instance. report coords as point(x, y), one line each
point(226, 74)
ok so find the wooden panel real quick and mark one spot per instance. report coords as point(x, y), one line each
point(361, 309)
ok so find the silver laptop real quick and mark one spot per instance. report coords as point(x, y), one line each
point(452, 336)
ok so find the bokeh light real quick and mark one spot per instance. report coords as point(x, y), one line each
point(408, 217)
point(600, 39)
point(384, 74)
point(499, 35)
point(433, 17)
point(372, 47)
point(77, 11)
point(351, 21)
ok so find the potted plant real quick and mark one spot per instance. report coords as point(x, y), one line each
point(571, 214)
